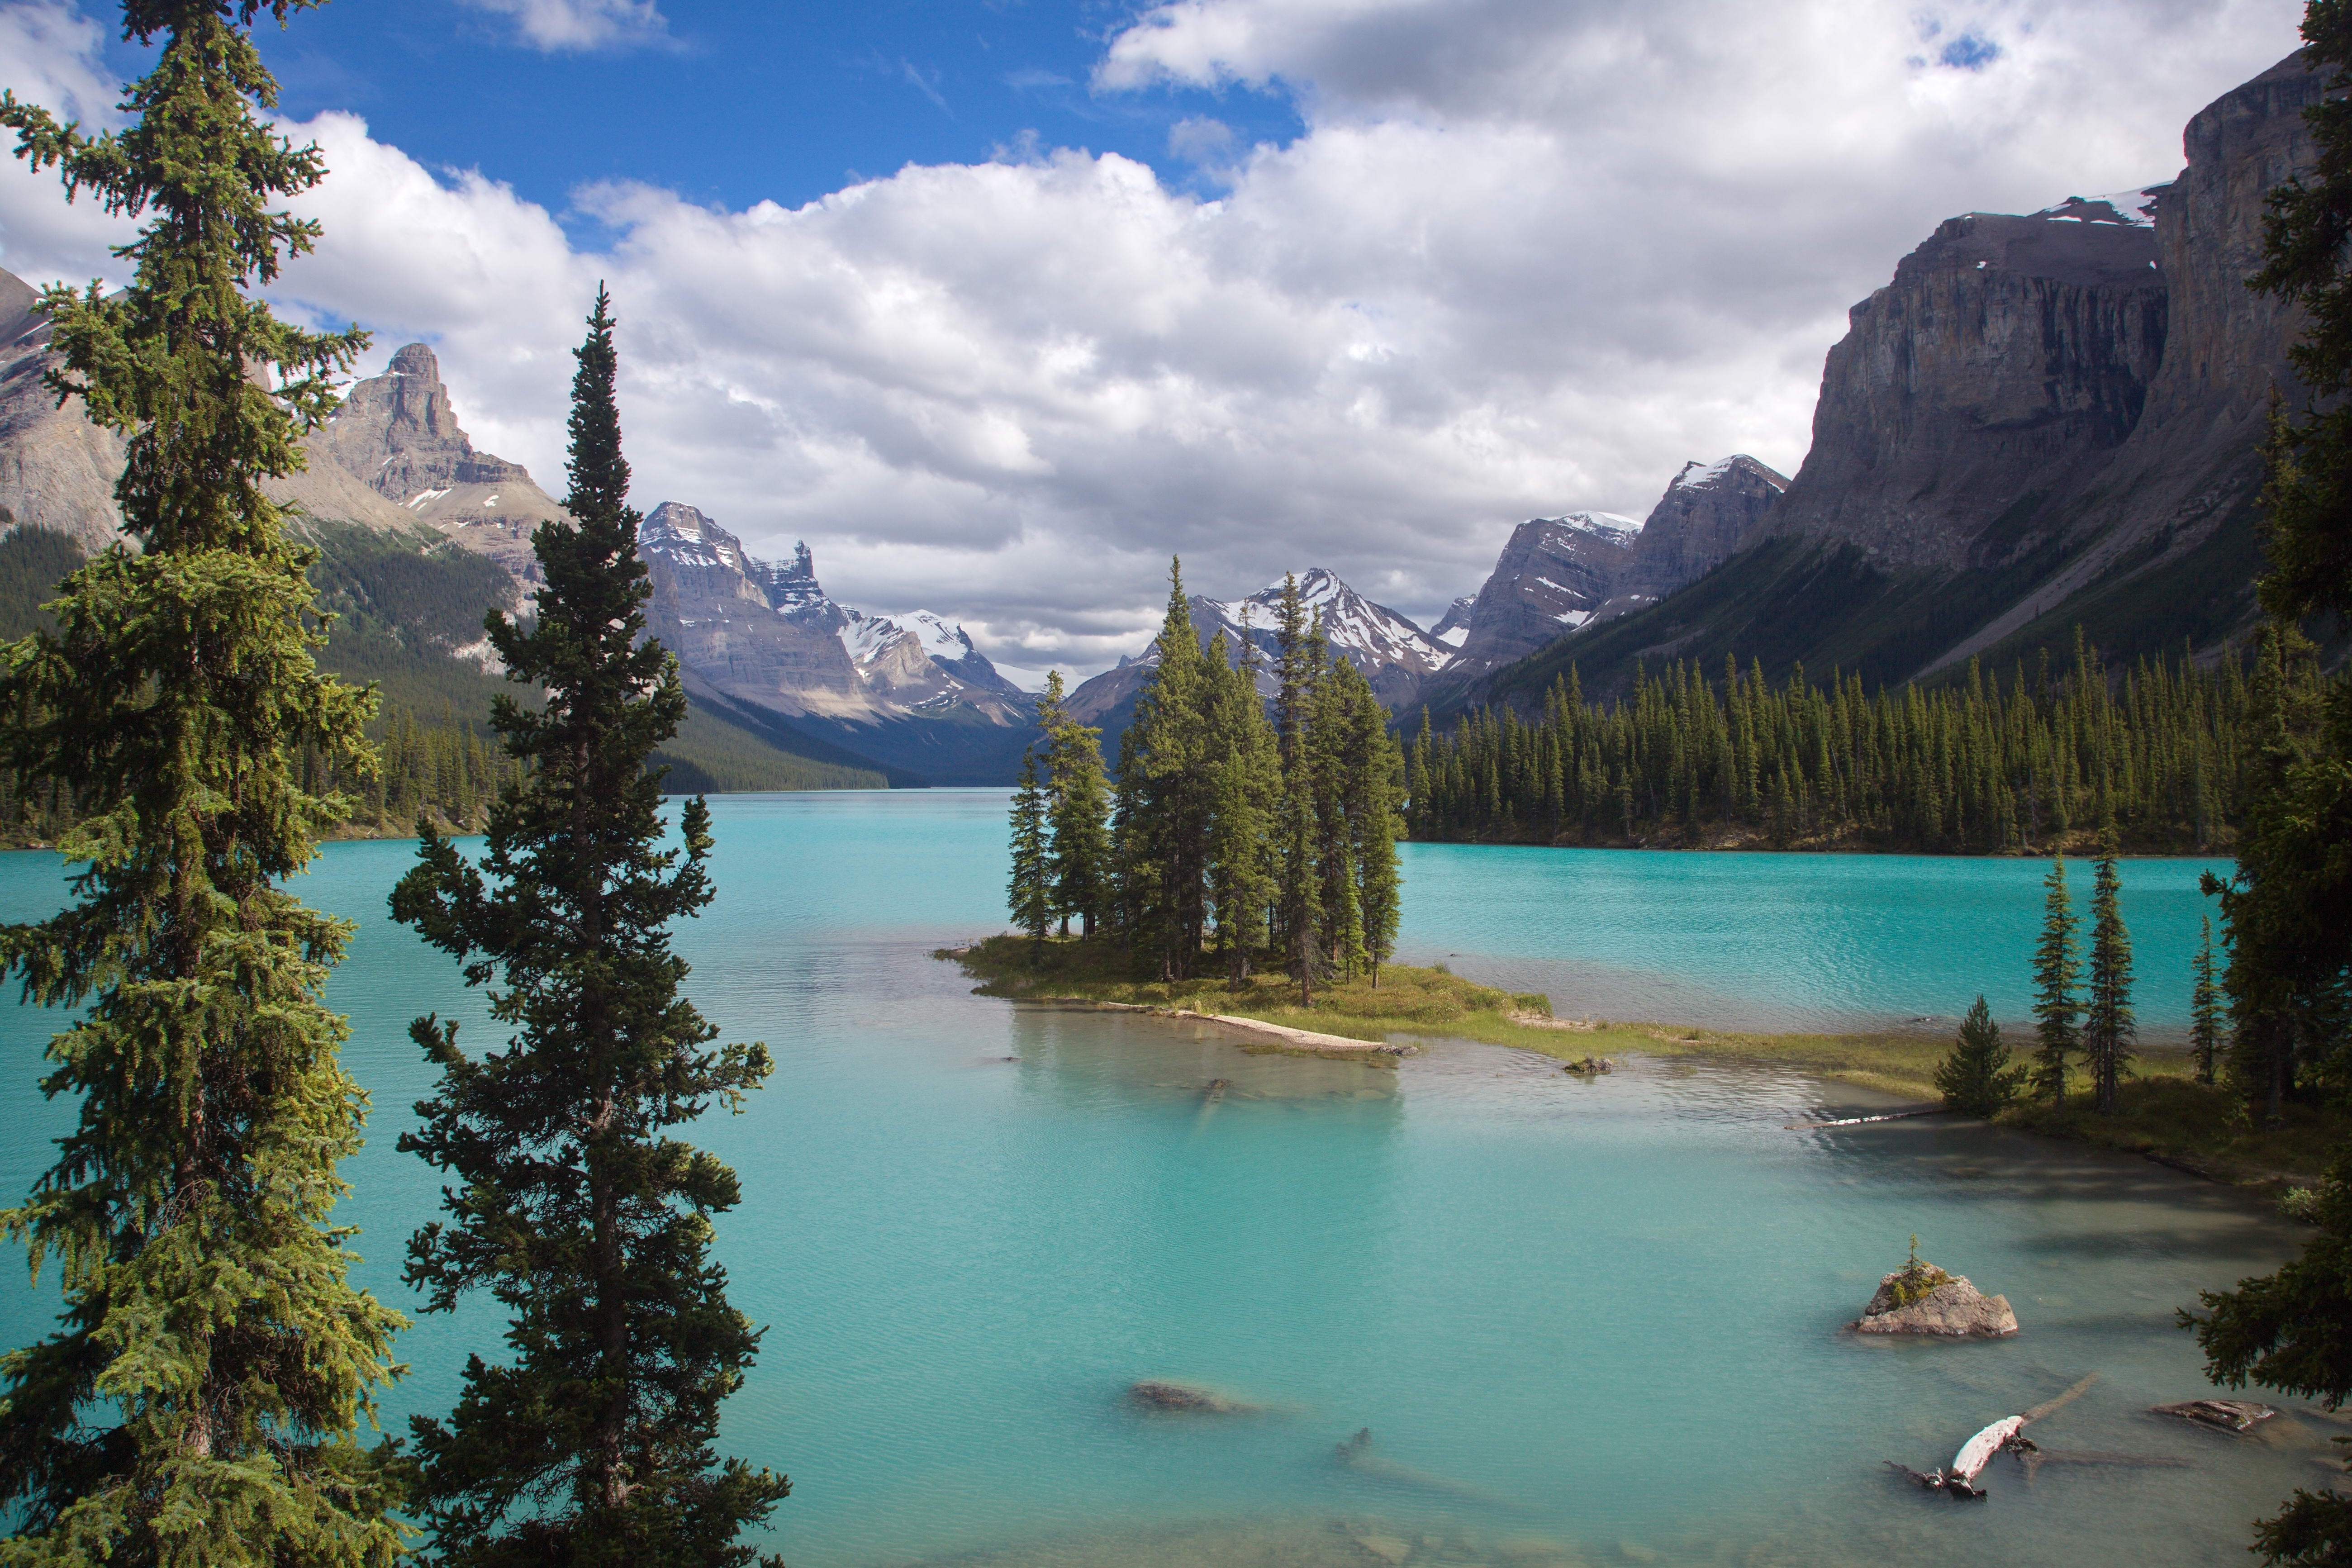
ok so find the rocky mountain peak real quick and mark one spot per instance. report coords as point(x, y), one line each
point(1554, 575)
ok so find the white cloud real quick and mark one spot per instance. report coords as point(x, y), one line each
point(49, 55)
point(555, 24)
point(1528, 256)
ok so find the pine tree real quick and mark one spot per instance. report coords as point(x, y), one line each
point(2055, 1006)
point(1078, 861)
point(1299, 889)
point(2204, 1008)
point(199, 1404)
point(1975, 1078)
point(1030, 896)
point(570, 1202)
point(1375, 773)
point(1248, 775)
point(1163, 805)
point(2108, 1030)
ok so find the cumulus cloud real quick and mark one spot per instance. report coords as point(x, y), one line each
point(555, 24)
point(1528, 256)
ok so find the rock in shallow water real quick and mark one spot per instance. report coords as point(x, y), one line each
point(1952, 1308)
point(1154, 1394)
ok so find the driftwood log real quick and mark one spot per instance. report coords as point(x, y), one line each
point(1959, 1478)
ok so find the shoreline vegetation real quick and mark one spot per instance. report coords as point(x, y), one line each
point(2163, 1114)
point(1972, 765)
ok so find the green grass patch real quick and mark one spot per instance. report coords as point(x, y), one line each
point(2163, 1113)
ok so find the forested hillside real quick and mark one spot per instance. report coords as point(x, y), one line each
point(401, 603)
point(1981, 766)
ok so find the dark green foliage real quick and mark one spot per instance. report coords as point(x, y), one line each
point(2288, 1332)
point(1275, 842)
point(1030, 894)
point(33, 562)
point(198, 1404)
point(2204, 1007)
point(569, 1201)
point(2287, 913)
point(2056, 1008)
point(1977, 767)
point(1078, 861)
point(2108, 1028)
point(1976, 1079)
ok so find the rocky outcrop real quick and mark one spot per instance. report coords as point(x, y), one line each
point(1921, 1299)
point(57, 469)
point(766, 634)
point(1553, 577)
point(2190, 465)
point(393, 457)
point(1695, 528)
point(2010, 357)
point(394, 453)
point(1187, 1398)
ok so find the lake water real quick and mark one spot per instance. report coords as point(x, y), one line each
point(1584, 1323)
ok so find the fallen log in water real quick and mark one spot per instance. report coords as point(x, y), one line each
point(2034, 1458)
point(1960, 1478)
point(1858, 1120)
point(1357, 1455)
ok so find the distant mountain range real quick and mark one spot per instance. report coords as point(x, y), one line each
point(2043, 419)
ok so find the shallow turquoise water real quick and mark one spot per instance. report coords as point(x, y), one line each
point(1602, 1316)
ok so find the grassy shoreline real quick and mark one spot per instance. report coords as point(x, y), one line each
point(2164, 1115)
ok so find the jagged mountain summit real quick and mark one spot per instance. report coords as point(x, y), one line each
point(1557, 575)
point(910, 691)
point(57, 469)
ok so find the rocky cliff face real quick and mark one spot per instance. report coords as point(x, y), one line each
point(57, 469)
point(1696, 527)
point(395, 453)
point(2008, 359)
point(766, 634)
point(2189, 469)
point(1554, 575)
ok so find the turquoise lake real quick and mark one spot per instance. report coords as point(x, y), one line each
point(1584, 1321)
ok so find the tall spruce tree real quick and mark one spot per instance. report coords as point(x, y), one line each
point(1029, 894)
point(198, 1403)
point(2204, 1007)
point(571, 1203)
point(1298, 892)
point(1330, 730)
point(2287, 913)
point(2108, 1028)
point(1372, 797)
point(1164, 800)
point(1077, 815)
point(1242, 753)
point(2056, 1008)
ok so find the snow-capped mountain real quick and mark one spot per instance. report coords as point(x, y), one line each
point(765, 633)
point(1552, 577)
point(1394, 654)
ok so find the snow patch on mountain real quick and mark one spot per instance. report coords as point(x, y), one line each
point(1608, 525)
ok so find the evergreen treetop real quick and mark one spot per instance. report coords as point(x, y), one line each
point(1975, 1078)
point(571, 1204)
point(2056, 1008)
point(199, 1403)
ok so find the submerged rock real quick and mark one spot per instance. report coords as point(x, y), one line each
point(2229, 1414)
point(1921, 1299)
point(1154, 1394)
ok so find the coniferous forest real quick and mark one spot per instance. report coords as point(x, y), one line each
point(1232, 837)
point(1981, 766)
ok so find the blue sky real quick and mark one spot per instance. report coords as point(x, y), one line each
point(999, 304)
point(737, 102)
